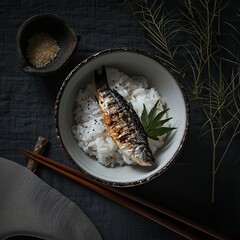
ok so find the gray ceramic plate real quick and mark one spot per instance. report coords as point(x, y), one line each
point(131, 62)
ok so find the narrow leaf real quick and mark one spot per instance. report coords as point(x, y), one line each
point(160, 115)
point(153, 111)
point(163, 130)
point(144, 116)
point(162, 122)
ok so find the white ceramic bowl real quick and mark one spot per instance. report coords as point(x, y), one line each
point(131, 62)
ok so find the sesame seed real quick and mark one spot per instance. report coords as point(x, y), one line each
point(42, 49)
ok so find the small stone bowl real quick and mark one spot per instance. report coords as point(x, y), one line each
point(57, 28)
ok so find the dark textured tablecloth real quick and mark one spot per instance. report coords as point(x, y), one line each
point(26, 112)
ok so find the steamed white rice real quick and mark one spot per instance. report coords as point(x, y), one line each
point(90, 131)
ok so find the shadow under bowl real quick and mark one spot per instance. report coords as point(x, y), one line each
point(67, 40)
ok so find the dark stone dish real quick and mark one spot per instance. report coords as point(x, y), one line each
point(55, 26)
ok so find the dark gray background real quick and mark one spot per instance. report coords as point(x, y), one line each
point(26, 111)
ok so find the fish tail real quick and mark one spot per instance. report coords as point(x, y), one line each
point(100, 78)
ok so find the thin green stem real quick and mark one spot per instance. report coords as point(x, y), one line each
point(213, 187)
point(228, 146)
point(213, 161)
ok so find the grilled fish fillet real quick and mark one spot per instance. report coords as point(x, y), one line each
point(122, 122)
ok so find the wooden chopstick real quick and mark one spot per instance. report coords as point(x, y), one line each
point(133, 202)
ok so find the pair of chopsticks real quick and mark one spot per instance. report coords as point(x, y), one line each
point(166, 218)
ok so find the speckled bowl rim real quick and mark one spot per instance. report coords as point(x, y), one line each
point(88, 60)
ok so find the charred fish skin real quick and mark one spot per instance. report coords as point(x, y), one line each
point(122, 122)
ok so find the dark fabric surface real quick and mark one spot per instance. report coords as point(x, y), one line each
point(26, 112)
